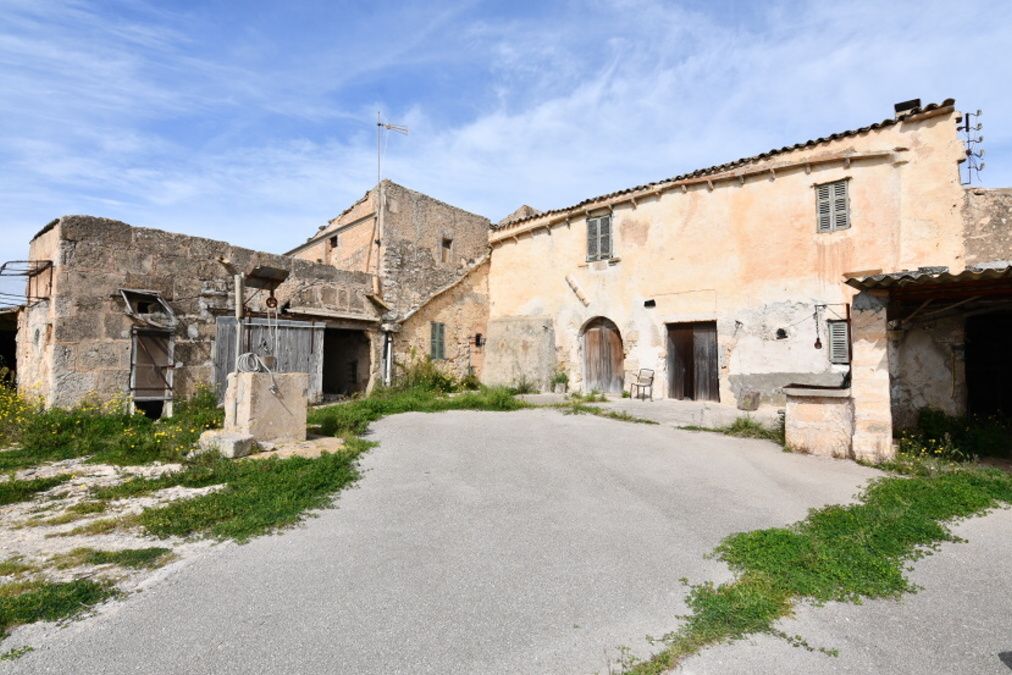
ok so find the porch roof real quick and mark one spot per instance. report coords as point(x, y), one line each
point(938, 282)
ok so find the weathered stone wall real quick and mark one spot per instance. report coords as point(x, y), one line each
point(414, 226)
point(79, 341)
point(739, 250)
point(355, 230)
point(463, 309)
point(927, 369)
point(819, 422)
point(987, 215)
point(520, 348)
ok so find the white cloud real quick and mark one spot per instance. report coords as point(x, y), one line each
point(105, 112)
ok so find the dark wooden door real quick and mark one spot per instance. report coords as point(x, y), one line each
point(603, 357)
point(692, 361)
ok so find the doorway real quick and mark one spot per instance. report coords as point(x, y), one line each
point(692, 361)
point(346, 362)
point(151, 365)
point(988, 368)
point(603, 357)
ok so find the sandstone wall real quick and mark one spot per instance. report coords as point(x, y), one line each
point(463, 309)
point(988, 222)
point(79, 341)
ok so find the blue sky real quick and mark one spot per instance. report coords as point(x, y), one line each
point(254, 122)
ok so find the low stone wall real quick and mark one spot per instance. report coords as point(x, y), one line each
point(819, 421)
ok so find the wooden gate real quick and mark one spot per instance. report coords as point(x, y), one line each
point(151, 362)
point(299, 349)
point(692, 361)
point(603, 357)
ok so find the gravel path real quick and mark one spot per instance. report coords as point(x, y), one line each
point(526, 542)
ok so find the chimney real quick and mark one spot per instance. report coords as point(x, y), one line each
point(904, 108)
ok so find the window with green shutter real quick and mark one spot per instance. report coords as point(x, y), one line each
point(832, 206)
point(599, 238)
point(438, 349)
point(839, 341)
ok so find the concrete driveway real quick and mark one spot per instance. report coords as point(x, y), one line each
point(526, 542)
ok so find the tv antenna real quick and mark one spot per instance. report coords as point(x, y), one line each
point(382, 126)
point(974, 142)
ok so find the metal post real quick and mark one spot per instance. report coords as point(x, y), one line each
point(240, 302)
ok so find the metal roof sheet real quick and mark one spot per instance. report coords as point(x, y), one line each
point(924, 277)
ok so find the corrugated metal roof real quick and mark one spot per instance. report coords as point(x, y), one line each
point(721, 168)
point(929, 276)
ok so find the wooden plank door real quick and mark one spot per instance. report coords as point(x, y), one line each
point(603, 357)
point(681, 374)
point(704, 349)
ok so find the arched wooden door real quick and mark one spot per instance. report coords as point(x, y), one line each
point(602, 357)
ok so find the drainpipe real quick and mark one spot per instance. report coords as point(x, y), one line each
point(388, 358)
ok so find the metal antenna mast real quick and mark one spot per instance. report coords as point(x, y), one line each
point(380, 204)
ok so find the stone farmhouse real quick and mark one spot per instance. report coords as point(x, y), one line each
point(849, 280)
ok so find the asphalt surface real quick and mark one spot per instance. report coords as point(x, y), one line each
point(526, 542)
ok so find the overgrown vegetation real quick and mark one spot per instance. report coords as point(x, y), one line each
point(957, 439)
point(354, 417)
point(24, 602)
point(133, 558)
point(747, 427)
point(842, 553)
point(576, 407)
point(13, 491)
point(104, 432)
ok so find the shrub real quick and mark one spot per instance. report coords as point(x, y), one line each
point(560, 377)
point(470, 382)
point(425, 374)
point(941, 436)
point(523, 386)
point(108, 433)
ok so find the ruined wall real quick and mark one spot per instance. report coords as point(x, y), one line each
point(520, 348)
point(355, 230)
point(464, 311)
point(927, 369)
point(414, 226)
point(743, 252)
point(79, 342)
point(987, 215)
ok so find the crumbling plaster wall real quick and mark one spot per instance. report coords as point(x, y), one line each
point(355, 230)
point(745, 254)
point(927, 369)
point(987, 214)
point(414, 226)
point(463, 309)
point(87, 344)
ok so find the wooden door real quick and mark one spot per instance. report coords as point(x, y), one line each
point(603, 357)
point(692, 361)
point(151, 366)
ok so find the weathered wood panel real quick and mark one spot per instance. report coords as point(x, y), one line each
point(297, 347)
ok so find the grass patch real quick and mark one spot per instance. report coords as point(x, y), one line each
point(842, 553)
point(258, 497)
point(23, 602)
point(15, 566)
point(15, 653)
point(355, 416)
point(745, 427)
point(577, 408)
point(104, 432)
point(957, 438)
point(13, 491)
point(101, 526)
point(134, 558)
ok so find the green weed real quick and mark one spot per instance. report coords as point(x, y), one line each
point(13, 491)
point(15, 566)
point(23, 602)
point(842, 553)
point(134, 558)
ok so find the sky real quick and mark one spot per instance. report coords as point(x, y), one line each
point(254, 122)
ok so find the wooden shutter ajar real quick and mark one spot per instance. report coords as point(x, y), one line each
point(604, 237)
point(592, 239)
point(825, 216)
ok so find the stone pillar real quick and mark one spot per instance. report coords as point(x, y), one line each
point(873, 421)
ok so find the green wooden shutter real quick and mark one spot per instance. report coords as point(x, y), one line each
point(436, 341)
point(592, 239)
point(839, 342)
point(823, 194)
point(841, 215)
point(604, 237)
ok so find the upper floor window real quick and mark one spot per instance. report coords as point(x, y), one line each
point(599, 238)
point(832, 206)
point(333, 241)
point(445, 250)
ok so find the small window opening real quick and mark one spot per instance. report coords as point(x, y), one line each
point(333, 241)
point(599, 238)
point(445, 249)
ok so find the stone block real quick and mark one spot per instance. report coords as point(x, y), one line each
point(228, 444)
point(267, 406)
